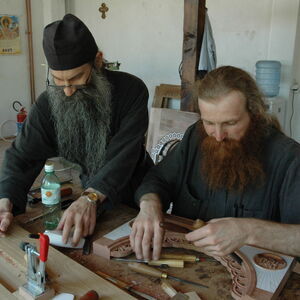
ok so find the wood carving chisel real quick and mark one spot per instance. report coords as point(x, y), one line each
point(174, 263)
point(124, 286)
point(87, 247)
point(185, 257)
point(146, 270)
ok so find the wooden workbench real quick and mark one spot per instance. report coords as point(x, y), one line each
point(210, 273)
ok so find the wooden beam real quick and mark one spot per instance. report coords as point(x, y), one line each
point(193, 27)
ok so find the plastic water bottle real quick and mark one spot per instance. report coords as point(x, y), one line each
point(50, 191)
point(268, 76)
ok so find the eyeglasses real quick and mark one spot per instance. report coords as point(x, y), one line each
point(76, 86)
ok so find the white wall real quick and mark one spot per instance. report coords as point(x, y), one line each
point(37, 36)
point(14, 69)
point(296, 69)
point(146, 37)
point(43, 13)
point(247, 31)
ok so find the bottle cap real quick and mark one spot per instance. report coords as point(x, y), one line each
point(49, 167)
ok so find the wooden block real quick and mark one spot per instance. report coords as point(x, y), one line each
point(6, 294)
point(297, 268)
point(193, 296)
point(26, 295)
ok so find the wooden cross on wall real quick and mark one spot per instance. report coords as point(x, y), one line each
point(193, 27)
point(103, 9)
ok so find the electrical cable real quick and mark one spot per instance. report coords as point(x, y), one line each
point(292, 114)
point(294, 89)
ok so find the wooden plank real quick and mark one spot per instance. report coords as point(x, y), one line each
point(193, 27)
point(6, 294)
point(66, 275)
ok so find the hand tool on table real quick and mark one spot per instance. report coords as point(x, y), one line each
point(185, 257)
point(124, 285)
point(64, 204)
point(146, 270)
point(174, 263)
point(36, 268)
point(171, 292)
point(90, 295)
point(87, 246)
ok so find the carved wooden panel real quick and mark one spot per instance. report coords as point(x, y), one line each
point(166, 128)
point(244, 276)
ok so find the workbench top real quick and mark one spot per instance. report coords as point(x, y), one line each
point(210, 273)
point(65, 275)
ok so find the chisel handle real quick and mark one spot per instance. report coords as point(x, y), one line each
point(184, 257)
point(198, 224)
point(146, 270)
point(173, 263)
point(90, 295)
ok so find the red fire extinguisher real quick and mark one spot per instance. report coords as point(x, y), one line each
point(21, 114)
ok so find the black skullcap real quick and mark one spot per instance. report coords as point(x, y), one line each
point(68, 44)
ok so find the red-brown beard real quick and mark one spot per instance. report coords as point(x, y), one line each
point(232, 164)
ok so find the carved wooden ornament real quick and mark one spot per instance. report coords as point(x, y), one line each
point(244, 276)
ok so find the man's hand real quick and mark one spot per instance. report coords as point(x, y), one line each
point(220, 236)
point(6, 215)
point(146, 229)
point(82, 215)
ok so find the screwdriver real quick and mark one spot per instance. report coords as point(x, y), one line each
point(146, 270)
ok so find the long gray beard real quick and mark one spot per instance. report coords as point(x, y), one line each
point(82, 123)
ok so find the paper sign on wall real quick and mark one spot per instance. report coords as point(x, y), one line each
point(9, 35)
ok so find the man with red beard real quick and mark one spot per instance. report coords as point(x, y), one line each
point(90, 116)
point(234, 169)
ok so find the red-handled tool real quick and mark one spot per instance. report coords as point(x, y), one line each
point(90, 295)
point(44, 246)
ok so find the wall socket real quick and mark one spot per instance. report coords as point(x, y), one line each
point(295, 87)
